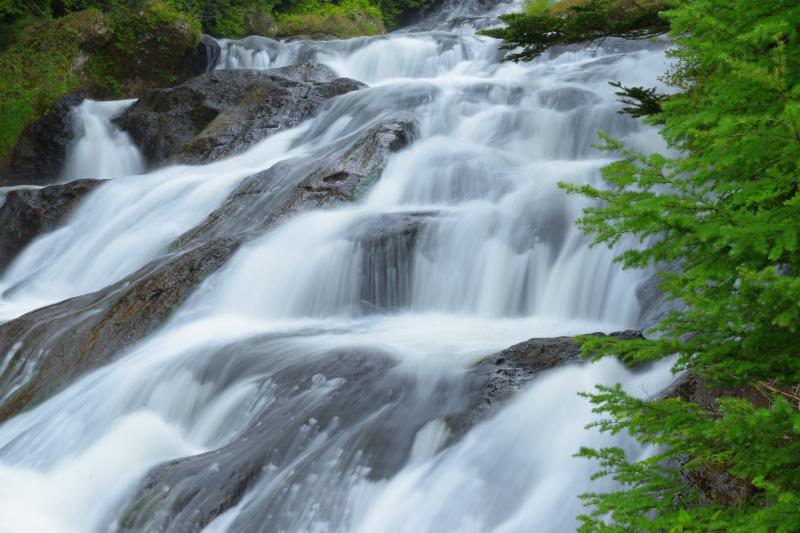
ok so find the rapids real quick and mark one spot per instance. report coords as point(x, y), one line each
point(321, 367)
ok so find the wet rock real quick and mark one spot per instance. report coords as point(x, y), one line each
point(498, 377)
point(653, 306)
point(223, 112)
point(271, 196)
point(386, 244)
point(39, 154)
point(27, 213)
point(206, 55)
point(567, 98)
point(310, 435)
point(47, 349)
point(61, 342)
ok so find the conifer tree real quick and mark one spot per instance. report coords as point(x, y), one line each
point(727, 212)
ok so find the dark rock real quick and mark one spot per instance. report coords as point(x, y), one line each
point(308, 72)
point(501, 375)
point(54, 345)
point(223, 112)
point(27, 213)
point(39, 154)
point(692, 388)
point(387, 244)
point(206, 55)
point(271, 196)
point(718, 486)
point(60, 342)
point(299, 431)
point(498, 377)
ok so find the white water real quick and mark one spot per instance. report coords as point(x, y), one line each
point(496, 260)
point(101, 150)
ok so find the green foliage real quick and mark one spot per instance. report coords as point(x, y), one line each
point(641, 102)
point(727, 211)
point(10, 9)
point(348, 18)
point(138, 45)
point(230, 18)
point(757, 444)
point(119, 47)
point(543, 25)
point(35, 70)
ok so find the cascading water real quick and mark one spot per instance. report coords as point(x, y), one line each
point(309, 384)
point(101, 150)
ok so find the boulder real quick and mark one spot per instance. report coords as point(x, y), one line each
point(307, 433)
point(259, 22)
point(206, 55)
point(223, 112)
point(498, 377)
point(387, 245)
point(39, 154)
point(27, 213)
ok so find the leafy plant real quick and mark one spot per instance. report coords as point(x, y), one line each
point(543, 25)
point(641, 102)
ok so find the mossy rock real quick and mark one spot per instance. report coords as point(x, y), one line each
point(153, 45)
point(132, 48)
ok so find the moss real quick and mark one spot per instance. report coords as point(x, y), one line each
point(36, 69)
point(135, 45)
point(349, 18)
point(131, 48)
point(151, 46)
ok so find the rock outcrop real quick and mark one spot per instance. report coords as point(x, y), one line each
point(50, 347)
point(653, 306)
point(206, 55)
point(223, 112)
point(39, 155)
point(49, 356)
point(270, 196)
point(498, 377)
point(188, 493)
point(27, 213)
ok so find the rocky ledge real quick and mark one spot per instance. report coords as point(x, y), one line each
point(224, 112)
point(498, 377)
point(49, 356)
point(27, 213)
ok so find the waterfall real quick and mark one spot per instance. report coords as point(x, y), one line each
point(311, 382)
point(100, 149)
